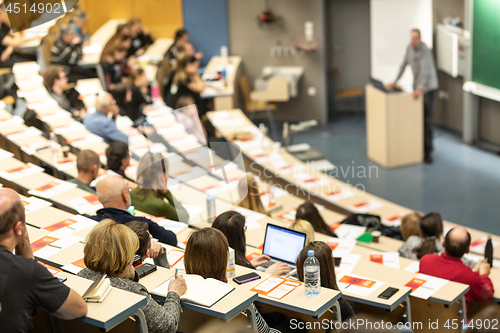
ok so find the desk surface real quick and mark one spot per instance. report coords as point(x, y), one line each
point(296, 300)
point(228, 307)
point(116, 307)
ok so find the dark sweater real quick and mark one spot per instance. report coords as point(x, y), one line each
point(122, 216)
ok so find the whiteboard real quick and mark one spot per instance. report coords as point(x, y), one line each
point(391, 22)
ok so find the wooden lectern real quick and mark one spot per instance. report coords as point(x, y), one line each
point(394, 128)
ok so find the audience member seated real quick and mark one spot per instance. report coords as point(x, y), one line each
point(79, 25)
point(25, 284)
point(115, 259)
point(9, 42)
point(67, 52)
point(449, 266)
point(305, 227)
point(187, 49)
point(102, 121)
point(118, 158)
point(114, 195)
point(249, 192)
point(416, 247)
point(122, 95)
point(56, 82)
point(181, 37)
point(151, 196)
point(114, 65)
point(140, 96)
point(410, 225)
point(206, 255)
point(185, 81)
point(323, 253)
point(121, 37)
point(232, 225)
point(140, 38)
point(88, 165)
point(147, 247)
point(308, 211)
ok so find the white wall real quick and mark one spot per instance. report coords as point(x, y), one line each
point(391, 23)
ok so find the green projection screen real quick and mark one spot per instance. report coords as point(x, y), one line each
point(486, 43)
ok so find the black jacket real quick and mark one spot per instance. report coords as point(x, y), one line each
point(122, 216)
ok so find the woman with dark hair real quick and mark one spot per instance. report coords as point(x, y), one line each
point(118, 158)
point(232, 225)
point(307, 211)
point(206, 255)
point(122, 95)
point(416, 247)
point(152, 196)
point(185, 81)
point(323, 253)
point(140, 96)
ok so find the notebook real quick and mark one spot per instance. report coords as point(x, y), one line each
point(98, 290)
point(282, 245)
point(200, 291)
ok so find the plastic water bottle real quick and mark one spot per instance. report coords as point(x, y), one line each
point(312, 281)
point(211, 208)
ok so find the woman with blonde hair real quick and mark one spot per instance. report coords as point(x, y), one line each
point(152, 196)
point(115, 259)
point(305, 227)
point(410, 225)
point(248, 189)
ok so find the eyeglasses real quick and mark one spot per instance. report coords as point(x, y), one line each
point(129, 189)
point(245, 228)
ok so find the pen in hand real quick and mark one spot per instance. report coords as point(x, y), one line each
point(176, 273)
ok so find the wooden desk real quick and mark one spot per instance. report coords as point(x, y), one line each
point(118, 305)
point(159, 47)
point(47, 216)
point(296, 300)
point(227, 98)
point(226, 309)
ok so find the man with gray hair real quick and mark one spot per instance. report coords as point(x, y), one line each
point(102, 122)
point(114, 194)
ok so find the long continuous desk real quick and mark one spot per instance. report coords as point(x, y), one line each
point(306, 181)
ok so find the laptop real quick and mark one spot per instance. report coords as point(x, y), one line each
point(379, 85)
point(282, 245)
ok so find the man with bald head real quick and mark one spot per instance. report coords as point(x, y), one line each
point(25, 284)
point(102, 121)
point(449, 266)
point(114, 194)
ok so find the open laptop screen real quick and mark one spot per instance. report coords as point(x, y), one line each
point(283, 244)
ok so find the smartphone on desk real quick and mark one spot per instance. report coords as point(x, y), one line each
point(386, 294)
point(246, 278)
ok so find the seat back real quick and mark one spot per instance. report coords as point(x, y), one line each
point(245, 90)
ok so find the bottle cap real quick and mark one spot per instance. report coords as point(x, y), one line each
point(489, 236)
point(310, 253)
point(210, 197)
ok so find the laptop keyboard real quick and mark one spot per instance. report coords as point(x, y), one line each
point(272, 261)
